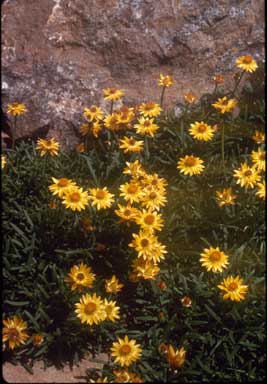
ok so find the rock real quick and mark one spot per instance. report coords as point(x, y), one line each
point(58, 55)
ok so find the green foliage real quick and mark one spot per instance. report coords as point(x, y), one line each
point(224, 340)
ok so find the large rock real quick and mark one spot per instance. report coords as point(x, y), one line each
point(58, 55)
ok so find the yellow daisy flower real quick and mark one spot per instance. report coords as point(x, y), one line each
point(60, 186)
point(258, 137)
point(153, 199)
point(124, 376)
point(75, 198)
point(90, 309)
point(48, 146)
point(201, 131)
point(37, 339)
point(80, 276)
point(16, 109)
point(247, 63)
point(134, 169)
point(258, 158)
point(126, 351)
point(93, 113)
point(127, 213)
point(155, 183)
point(131, 192)
point(146, 126)
point(175, 358)
point(113, 285)
point(190, 97)
point(125, 115)
point(101, 197)
point(131, 145)
point(150, 109)
point(13, 331)
point(99, 380)
point(225, 197)
point(149, 220)
point(145, 269)
point(112, 122)
point(148, 246)
point(84, 129)
point(112, 312)
point(234, 288)
point(190, 165)
point(247, 176)
point(113, 94)
point(225, 105)
point(96, 128)
point(3, 161)
point(165, 81)
point(213, 259)
point(261, 190)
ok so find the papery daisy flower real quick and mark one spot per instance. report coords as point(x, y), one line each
point(101, 197)
point(75, 199)
point(99, 380)
point(225, 197)
point(113, 94)
point(247, 63)
point(37, 339)
point(150, 109)
point(60, 186)
point(129, 144)
point(145, 269)
point(247, 176)
point(225, 105)
point(112, 122)
point(258, 158)
point(213, 259)
point(125, 376)
point(165, 81)
point(146, 126)
point(127, 213)
point(134, 169)
point(190, 165)
point(150, 221)
point(190, 97)
point(143, 243)
point(84, 129)
point(90, 309)
point(93, 113)
point(49, 146)
point(16, 109)
point(258, 137)
point(112, 312)
point(176, 358)
point(126, 351)
point(96, 128)
point(201, 131)
point(13, 331)
point(218, 79)
point(155, 183)
point(3, 161)
point(186, 301)
point(153, 199)
point(233, 288)
point(261, 190)
point(80, 276)
point(131, 192)
point(125, 115)
point(113, 285)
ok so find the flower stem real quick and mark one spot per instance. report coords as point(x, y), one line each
point(111, 107)
point(14, 132)
point(237, 83)
point(223, 163)
point(162, 95)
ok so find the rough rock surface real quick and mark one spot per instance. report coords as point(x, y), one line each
point(58, 55)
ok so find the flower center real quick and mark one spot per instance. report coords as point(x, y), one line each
point(149, 219)
point(149, 105)
point(202, 128)
point(152, 195)
point(127, 212)
point(100, 195)
point(132, 188)
point(190, 161)
point(75, 196)
point(63, 182)
point(144, 243)
point(108, 309)
point(147, 123)
point(112, 90)
point(215, 256)
point(93, 109)
point(80, 276)
point(132, 142)
point(89, 308)
point(262, 156)
point(232, 286)
point(113, 120)
point(247, 59)
point(248, 173)
point(13, 333)
point(125, 349)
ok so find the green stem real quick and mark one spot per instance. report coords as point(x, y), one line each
point(215, 89)
point(223, 164)
point(111, 107)
point(146, 148)
point(14, 132)
point(162, 95)
point(237, 83)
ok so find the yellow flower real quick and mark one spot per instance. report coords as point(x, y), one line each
point(48, 146)
point(13, 331)
point(80, 276)
point(213, 259)
point(96, 128)
point(124, 376)
point(112, 122)
point(75, 198)
point(37, 339)
point(99, 380)
point(234, 288)
point(155, 183)
point(261, 190)
point(90, 309)
point(80, 148)
point(126, 351)
point(218, 79)
point(93, 113)
point(131, 145)
point(146, 126)
point(224, 105)
point(127, 213)
point(3, 161)
point(165, 81)
point(60, 186)
point(113, 94)
point(125, 115)
point(258, 137)
point(112, 312)
point(201, 131)
point(16, 109)
point(113, 285)
point(225, 197)
point(247, 63)
point(258, 158)
point(190, 165)
point(149, 220)
point(150, 109)
point(145, 269)
point(101, 197)
point(246, 176)
point(85, 129)
point(131, 192)
point(148, 246)
point(153, 199)
point(134, 169)
point(175, 358)
point(190, 97)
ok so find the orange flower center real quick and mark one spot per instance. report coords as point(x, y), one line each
point(125, 349)
point(63, 182)
point(154, 182)
point(93, 109)
point(202, 128)
point(149, 105)
point(247, 59)
point(113, 120)
point(133, 188)
point(127, 212)
point(232, 286)
point(262, 156)
point(75, 196)
point(112, 90)
point(100, 195)
point(131, 142)
point(147, 123)
point(13, 333)
point(89, 308)
point(144, 242)
point(215, 256)
point(190, 161)
point(149, 219)
point(152, 195)
point(108, 309)
point(80, 276)
point(247, 173)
